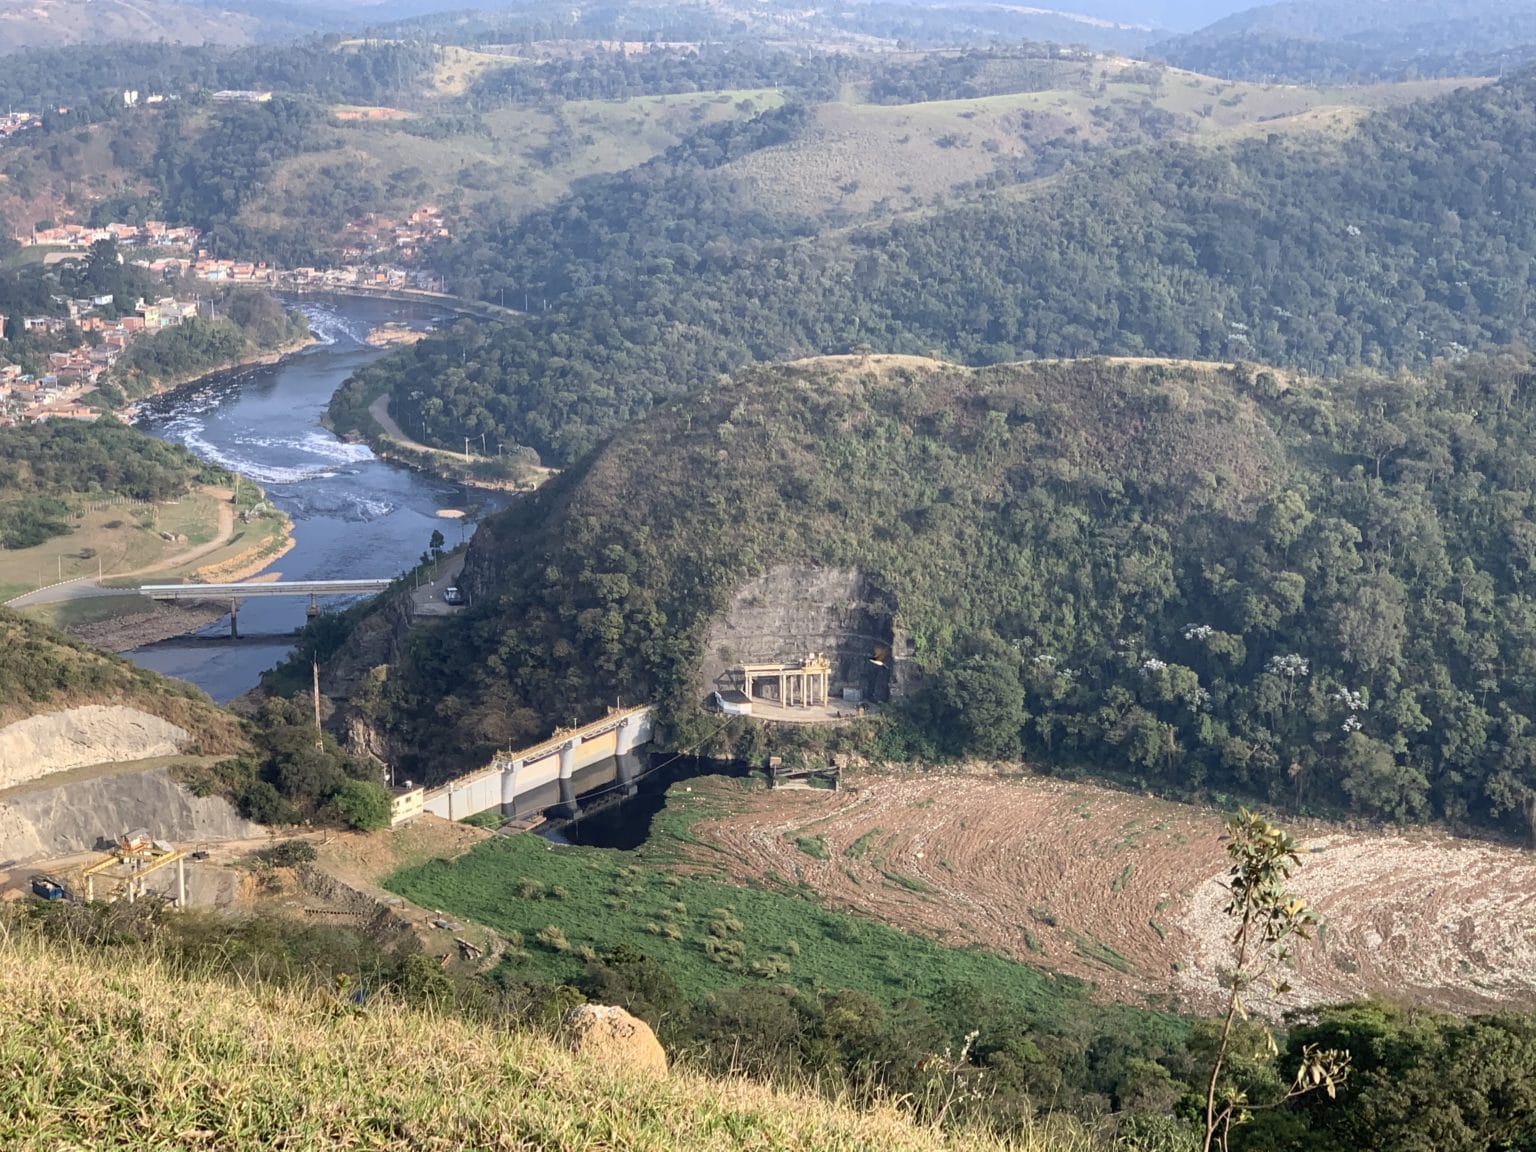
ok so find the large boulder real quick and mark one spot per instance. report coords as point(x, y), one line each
point(616, 1038)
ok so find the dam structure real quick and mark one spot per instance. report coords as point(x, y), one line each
point(511, 776)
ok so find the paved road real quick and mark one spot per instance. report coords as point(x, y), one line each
point(428, 599)
point(84, 588)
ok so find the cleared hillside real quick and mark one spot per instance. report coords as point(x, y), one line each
point(859, 159)
point(54, 23)
point(101, 1055)
point(44, 671)
point(517, 159)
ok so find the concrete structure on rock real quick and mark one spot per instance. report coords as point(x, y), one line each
point(801, 684)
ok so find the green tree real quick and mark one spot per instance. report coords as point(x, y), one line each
point(1268, 919)
point(363, 804)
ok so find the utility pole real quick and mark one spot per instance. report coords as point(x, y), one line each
point(319, 734)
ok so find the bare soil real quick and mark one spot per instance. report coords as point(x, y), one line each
point(1124, 890)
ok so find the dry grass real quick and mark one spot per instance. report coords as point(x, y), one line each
point(1126, 890)
point(96, 1054)
point(530, 157)
point(862, 158)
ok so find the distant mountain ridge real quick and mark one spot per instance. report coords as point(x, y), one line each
point(1314, 41)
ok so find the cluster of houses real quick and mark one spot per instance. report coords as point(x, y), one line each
point(405, 237)
point(348, 276)
point(70, 374)
point(150, 234)
point(14, 122)
point(212, 270)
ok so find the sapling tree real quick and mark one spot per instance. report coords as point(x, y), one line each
point(1269, 920)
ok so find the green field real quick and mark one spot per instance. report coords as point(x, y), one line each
point(709, 935)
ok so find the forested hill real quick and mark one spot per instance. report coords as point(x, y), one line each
point(1315, 592)
point(1320, 42)
point(1410, 239)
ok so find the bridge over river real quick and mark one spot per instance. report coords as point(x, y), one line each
point(234, 593)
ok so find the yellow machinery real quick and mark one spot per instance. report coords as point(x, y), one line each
point(131, 862)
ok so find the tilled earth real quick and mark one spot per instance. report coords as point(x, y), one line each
point(1126, 891)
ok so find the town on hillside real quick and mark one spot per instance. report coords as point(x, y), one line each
point(171, 253)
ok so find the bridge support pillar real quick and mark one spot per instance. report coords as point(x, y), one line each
point(314, 606)
point(509, 771)
point(567, 805)
point(234, 619)
point(629, 768)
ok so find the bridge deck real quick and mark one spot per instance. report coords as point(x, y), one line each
point(271, 588)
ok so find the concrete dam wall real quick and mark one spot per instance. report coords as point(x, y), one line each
point(511, 777)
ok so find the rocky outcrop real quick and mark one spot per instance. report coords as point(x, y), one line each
point(616, 1039)
point(78, 815)
point(379, 639)
point(794, 610)
point(77, 737)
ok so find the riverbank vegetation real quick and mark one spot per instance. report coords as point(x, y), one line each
point(246, 326)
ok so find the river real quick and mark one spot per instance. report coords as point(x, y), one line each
point(354, 515)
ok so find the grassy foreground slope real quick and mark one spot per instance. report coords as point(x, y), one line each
point(99, 1055)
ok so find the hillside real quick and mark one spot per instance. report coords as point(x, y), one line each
point(52, 23)
point(1200, 577)
point(1313, 41)
point(1314, 251)
point(46, 672)
point(105, 1054)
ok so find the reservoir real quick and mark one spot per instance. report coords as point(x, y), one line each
point(354, 516)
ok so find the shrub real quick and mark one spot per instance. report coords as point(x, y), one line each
point(363, 804)
point(261, 802)
point(553, 938)
point(288, 853)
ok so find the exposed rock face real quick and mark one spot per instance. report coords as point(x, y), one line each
point(614, 1037)
point(794, 610)
point(76, 815)
point(379, 639)
point(76, 737)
